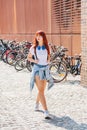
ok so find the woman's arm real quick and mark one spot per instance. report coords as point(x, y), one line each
point(29, 57)
point(48, 59)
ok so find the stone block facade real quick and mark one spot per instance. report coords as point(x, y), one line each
point(84, 42)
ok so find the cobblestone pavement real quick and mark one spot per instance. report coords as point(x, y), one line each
point(67, 103)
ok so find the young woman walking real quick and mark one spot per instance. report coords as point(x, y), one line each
point(40, 72)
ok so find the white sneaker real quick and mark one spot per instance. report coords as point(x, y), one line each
point(37, 107)
point(46, 114)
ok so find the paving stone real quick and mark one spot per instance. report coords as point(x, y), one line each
point(67, 103)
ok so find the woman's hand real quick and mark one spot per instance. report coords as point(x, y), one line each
point(36, 61)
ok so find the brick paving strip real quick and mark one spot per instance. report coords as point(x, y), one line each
point(67, 103)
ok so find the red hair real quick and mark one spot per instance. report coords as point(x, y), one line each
point(45, 42)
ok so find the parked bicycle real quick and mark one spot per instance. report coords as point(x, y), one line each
point(22, 64)
point(62, 65)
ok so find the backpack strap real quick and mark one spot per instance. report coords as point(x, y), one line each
point(35, 53)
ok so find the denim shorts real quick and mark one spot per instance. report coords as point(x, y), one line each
point(40, 66)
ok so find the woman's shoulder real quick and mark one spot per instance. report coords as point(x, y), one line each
point(32, 47)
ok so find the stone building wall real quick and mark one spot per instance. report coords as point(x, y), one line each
point(84, 42)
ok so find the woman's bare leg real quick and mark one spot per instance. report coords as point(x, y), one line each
point(37, 99)
point(41, 84)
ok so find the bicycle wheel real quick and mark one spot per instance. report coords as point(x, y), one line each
point(29, 66)
point(58, 71)
point(20, 65)
point(3, 57)
point(11, 58)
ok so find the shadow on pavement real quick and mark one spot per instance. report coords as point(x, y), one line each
point(66, 122)
point(73, 82)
